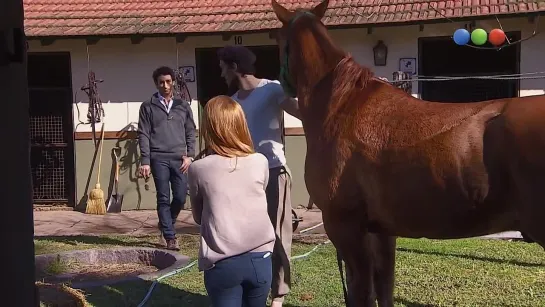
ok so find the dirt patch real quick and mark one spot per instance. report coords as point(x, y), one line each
point(80, 272)
point(102, 266)
point(310, 238)
point(60, 296)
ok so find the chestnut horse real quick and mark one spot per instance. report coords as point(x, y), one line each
point(382, 164)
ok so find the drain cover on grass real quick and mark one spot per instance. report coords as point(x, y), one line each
point(97, 267)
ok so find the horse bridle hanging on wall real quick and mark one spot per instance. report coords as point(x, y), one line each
point(95, 112)
point(180, 88)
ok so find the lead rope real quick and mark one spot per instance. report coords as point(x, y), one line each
point(343, 282)
point(284, 170)
point(156, 281)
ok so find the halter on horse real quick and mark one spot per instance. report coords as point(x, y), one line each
point(381, 163)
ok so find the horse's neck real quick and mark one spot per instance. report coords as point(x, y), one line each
point(316, 58)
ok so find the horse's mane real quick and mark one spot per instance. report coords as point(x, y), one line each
point(337, 66)
point(350, 75)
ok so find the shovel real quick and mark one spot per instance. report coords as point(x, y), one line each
point(116, 200)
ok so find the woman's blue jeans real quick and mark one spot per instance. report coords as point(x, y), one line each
point(243, 280)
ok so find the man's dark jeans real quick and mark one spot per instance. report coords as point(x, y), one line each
point(243, 280)
point(167, 174)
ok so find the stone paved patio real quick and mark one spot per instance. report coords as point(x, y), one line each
point(144, 222)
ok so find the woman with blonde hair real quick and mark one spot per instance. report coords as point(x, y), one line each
point(227, 191)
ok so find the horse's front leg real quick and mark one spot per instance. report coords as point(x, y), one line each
point(384, 248)
point(349, 235)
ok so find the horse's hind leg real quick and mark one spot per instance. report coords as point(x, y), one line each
point(529, 197)
point(384, 249)
point(523, 139)
point(531, 202)
point(351, 239)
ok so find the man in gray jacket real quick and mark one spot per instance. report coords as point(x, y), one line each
point(166, 135)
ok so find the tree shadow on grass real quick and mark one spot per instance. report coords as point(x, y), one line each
point(131, 294)
point(470, 257)
point(408, 303)
point(97, 240)
point(405, 303)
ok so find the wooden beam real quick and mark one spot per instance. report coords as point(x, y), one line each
point(294, 131)
point(226, 37)
point(108, 135)
point(421, 27)
point(180, 38)
point(47, 41)
point(369, 30)
point(273, 34)
point(470, 26)
point(532, 19)
point(130, 135)
point(137, 39)
point(92, 40)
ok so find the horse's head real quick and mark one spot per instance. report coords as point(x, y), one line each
point(298, 21)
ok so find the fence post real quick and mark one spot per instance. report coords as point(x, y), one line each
point(17, 225)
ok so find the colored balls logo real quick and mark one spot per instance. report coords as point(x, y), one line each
point(497, 37)
point(461, 37)
point(479, 37)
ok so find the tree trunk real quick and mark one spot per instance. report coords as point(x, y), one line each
point(17, 227)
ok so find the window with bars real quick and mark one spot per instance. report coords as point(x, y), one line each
point(50, 128)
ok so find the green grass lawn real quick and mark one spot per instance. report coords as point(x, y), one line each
point(472, 272)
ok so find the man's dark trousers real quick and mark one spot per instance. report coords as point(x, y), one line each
point(167, 174)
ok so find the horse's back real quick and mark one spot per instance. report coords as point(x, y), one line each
point(423, 168)
point(445, 163)
point(402, 120)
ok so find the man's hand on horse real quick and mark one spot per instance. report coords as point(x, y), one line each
point(145, 171)
point(186, 162)
point(291, 106)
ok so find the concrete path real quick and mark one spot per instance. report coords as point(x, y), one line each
point(144, 222)
point(505, 235)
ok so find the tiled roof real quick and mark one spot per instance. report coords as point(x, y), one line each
point(115, 17)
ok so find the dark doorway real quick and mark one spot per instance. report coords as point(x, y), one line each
point(440, 56)
point(209, 80)
point(51, 128)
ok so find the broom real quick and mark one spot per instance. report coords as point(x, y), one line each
point(95, 201)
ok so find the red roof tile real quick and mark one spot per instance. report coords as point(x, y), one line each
point(114, 17)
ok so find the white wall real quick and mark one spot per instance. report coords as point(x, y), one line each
point(402, 42)
point(127, 68)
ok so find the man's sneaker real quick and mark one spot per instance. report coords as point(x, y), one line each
point(172, 244)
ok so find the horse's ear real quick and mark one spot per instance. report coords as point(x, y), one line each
point(282, 13)
point(319, 10)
